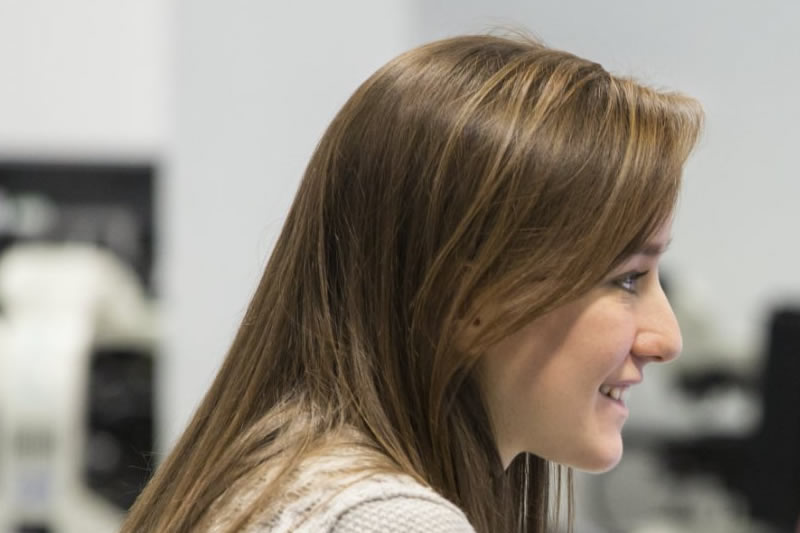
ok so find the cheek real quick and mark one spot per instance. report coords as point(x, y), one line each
point(610, 340)
point(542, 383)
point(517, 360)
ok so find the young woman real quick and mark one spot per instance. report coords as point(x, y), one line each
point(465, 287)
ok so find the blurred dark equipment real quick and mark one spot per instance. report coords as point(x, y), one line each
point(762, 468)
point(120, 424)
point(106, 204)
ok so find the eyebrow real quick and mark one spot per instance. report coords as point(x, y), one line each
point(652, 249)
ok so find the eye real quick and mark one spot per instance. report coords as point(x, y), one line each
point(629, 281)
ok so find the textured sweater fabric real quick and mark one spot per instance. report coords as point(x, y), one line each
point(331, 495)
point(386, 504)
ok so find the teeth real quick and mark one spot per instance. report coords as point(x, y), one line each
point(612, 392)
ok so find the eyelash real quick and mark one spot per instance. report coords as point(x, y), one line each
point(627, 282)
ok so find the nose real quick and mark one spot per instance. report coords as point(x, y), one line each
point(658, 337)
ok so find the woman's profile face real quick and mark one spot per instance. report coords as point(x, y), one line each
point(557, 387)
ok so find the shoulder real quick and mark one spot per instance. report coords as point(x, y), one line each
point(346, 490)
point(375, 503)
point(388, 504)
point(406, 509)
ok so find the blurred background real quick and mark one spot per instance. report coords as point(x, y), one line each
point(149, 151)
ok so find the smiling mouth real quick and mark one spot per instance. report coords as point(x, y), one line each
point(615, 393)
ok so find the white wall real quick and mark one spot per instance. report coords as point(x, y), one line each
point(83, 79)
point(735, 233)
point(256, 84)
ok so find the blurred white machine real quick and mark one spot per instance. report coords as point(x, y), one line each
point(58, 302)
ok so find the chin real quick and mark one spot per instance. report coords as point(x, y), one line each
point(599, 460)
point(598, 468)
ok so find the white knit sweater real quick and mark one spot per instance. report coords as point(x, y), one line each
point(330, 495)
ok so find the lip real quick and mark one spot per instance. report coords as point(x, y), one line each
point(616, 404)
point(625, 385)
point(621, 401)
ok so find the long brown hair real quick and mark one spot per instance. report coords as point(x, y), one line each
point(468, 171)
